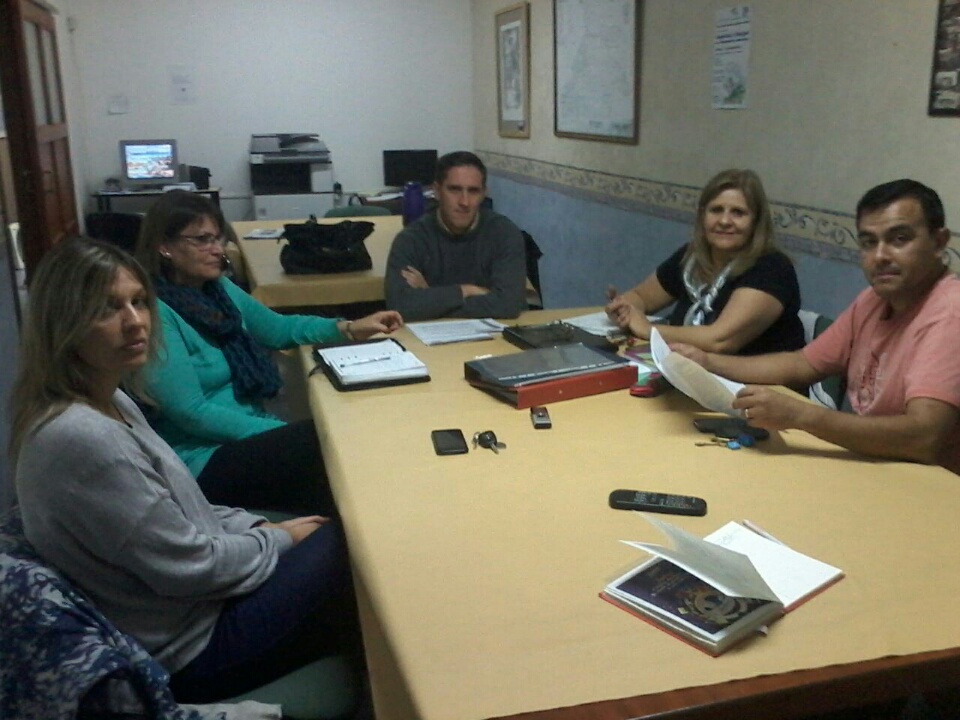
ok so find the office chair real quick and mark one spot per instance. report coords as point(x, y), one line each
point(356, 211)
point(830, 391)
point(117, 228)
point(533, 254)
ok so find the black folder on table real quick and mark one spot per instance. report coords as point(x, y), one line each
point(324, 366)
point(554, 334)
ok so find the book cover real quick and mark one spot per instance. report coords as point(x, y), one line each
point(715, 591)
point(563, 388)
point(554, 334)
point(690, 607)
point(535, 366)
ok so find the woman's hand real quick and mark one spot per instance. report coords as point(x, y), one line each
point(631, 318)
point(300, 527)
point(385, 321)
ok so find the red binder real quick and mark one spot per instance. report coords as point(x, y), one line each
point(566, 388)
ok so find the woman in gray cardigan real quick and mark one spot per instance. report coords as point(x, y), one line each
point(223, 599)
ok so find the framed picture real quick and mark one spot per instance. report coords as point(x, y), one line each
point(596, 53)
point(513, 71)
point(945, 76)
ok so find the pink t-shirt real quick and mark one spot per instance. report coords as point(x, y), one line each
point(888, 362)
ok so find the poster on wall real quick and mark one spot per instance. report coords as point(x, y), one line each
point(731, 57)
point(596, 69)
point(513, 71)
point(944, 80)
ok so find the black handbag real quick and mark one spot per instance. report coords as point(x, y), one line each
point(314, 247)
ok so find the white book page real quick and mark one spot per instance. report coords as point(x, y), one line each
point(712, 391)
point(453, 331)
point(792, 575)
point(729, 571)
point(384, 360)
point(598, 323)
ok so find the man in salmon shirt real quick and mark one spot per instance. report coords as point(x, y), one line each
point(898, 344)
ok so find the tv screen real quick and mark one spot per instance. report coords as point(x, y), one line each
point(403, 166)
point(148, 162)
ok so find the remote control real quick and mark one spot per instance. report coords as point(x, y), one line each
point(657, 502)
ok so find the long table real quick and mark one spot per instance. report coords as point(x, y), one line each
point(275, 289)
point(478, 574)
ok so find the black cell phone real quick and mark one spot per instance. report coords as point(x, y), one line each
point(540, 418)
point(729, 428)
point(449, 442)
point(657, 502)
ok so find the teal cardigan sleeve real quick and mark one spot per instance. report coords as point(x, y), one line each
point(277, 331)
point(193, 407)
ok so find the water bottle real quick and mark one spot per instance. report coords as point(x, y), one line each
point(412, 202)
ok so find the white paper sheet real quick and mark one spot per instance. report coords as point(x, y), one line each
point(712, 391)
point(453, 331)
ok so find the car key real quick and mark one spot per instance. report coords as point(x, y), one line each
point(488, 439)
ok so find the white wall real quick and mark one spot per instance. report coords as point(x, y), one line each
point(367, 75)
point(837, 100)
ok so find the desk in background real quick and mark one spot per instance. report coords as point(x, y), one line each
point(274, 288)
point(105, 199)
point(478, 575)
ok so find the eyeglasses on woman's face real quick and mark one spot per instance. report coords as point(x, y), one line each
point(205, 241)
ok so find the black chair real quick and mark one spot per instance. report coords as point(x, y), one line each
point(120, 229)
point(533, 253)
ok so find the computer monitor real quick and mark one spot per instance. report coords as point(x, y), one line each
point(403, 166)
point(145, 163)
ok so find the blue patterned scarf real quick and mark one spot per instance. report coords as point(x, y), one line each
point(211, 312)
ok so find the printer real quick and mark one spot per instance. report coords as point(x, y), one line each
point(291, 176)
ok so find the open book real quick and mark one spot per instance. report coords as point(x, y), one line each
point(370, 364)
point(717, 591)
point(712, 391)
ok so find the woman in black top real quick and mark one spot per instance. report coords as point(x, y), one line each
point(732, 289)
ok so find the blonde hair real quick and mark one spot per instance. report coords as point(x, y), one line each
point(761, 241)
point(68, 293)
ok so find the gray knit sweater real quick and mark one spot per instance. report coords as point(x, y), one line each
point(116, 511)
point(491, 255)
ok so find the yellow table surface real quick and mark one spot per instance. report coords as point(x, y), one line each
point(479, 574)
point(275, 289)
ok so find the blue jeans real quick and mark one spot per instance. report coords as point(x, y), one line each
point(304, 611)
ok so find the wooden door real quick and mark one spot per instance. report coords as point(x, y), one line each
point(36, 121)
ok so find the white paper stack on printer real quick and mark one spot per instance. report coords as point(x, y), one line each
point(712, 391)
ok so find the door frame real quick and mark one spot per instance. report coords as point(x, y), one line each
point(21, 125)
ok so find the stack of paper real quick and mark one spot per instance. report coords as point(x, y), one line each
point(454, 331)
point(372, 362)
point(712, 391)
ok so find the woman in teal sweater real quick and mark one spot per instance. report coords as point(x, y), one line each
point(206, 388)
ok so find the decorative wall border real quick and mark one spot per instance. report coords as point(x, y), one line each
point(821, 233)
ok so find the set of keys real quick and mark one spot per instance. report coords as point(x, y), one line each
point(488, 439)
point(743, 440)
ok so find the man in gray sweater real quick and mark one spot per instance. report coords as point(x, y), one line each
point(460, 261)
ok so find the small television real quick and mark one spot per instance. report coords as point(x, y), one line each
point(146, 163)
point(403, 166)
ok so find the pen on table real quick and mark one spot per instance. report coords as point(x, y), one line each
point(483, 357)
point(363, 361)
point(759, 531)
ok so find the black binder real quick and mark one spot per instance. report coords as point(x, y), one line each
point(335, 381)
point(555, 334)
